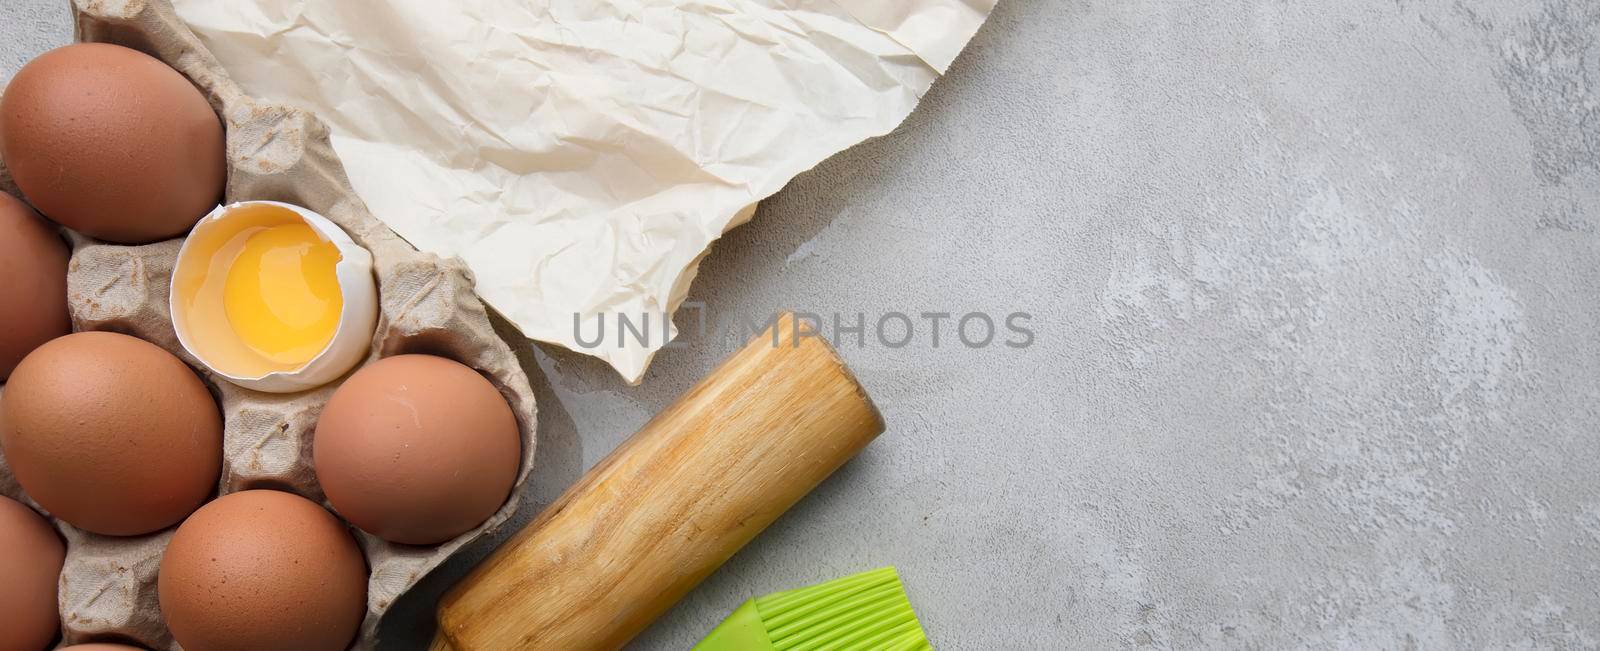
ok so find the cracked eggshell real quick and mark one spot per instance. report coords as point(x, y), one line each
point(357, 320)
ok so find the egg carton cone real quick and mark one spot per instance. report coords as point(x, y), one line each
point(427, 305)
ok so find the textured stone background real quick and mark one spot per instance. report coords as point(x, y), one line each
point(1315, 288)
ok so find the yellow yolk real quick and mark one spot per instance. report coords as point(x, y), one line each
point(282, 296)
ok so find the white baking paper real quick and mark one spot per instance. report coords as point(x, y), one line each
point(582, 155)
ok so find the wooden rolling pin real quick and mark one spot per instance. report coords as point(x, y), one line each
point(670, 505)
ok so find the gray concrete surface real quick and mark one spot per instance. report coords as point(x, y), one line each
point(1315, 293)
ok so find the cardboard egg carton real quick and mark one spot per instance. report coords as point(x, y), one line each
point(427, 305)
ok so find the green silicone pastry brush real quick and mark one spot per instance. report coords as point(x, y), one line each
point(867, 611)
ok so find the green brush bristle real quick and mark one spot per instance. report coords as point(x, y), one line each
point(864, 611)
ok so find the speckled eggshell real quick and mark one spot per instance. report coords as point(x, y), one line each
point(111, 433)
point(262, 570)
point(33, 283)
point(112, 143)
point(416, 449)
point(30, 563)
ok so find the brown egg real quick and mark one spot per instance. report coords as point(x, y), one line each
point(112, 143)
point(99, 646)
point(111, 433)
point(264, 570)
point(30, 563)
point(33, 283)
point(416, 449)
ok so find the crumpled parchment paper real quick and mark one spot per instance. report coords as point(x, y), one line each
point(582, 155)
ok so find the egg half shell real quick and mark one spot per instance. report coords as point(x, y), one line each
point(357, 319)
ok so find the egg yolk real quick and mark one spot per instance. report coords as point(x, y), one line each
point(282, 296)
